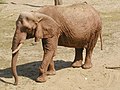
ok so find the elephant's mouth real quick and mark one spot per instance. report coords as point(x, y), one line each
point(31, 35)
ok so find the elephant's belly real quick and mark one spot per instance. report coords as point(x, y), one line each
point(72, 43)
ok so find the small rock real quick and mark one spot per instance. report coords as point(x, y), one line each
point(85, 78)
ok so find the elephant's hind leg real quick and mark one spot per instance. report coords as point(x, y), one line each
point(78, 58)
point(89, 51)
point(88, 63)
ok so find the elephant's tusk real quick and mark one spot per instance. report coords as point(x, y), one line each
point(17, 49)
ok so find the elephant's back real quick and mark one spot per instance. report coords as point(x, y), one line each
point(79, 15)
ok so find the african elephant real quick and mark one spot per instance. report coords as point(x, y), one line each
point(77, 26)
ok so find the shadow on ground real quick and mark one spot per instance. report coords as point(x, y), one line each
point(30, 70)
point(115, 68)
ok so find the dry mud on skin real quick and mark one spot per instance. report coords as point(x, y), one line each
point(105, 73)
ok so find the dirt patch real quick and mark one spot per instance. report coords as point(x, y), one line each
point(105, 74)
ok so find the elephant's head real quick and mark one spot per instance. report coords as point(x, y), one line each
point(30, 25)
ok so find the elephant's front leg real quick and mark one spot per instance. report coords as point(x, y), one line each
point(51, 69)
point(49, 47)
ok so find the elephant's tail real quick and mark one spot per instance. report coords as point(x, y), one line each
point(101, 41)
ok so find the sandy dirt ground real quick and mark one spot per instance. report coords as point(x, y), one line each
point(105, 73)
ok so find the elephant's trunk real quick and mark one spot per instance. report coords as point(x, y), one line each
point(14, 60)
point(13, 67)
point(16, 44)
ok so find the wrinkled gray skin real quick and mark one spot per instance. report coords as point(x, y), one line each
point(77, 26)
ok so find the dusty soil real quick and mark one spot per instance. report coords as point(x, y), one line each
point(105, 73)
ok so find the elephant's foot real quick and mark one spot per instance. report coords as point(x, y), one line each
point(77, 64)
point(41, 79)
point(51, 72)
point(87, 65)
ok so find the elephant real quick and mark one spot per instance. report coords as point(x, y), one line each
point(75, 26)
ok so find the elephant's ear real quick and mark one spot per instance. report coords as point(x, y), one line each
point(38, 33)
point(46, 28)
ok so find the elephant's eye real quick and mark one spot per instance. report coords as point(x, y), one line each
point(28, 29)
